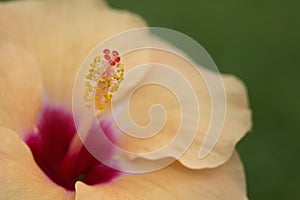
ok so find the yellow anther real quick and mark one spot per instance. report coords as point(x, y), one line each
point(115, 76)
point(115, 87)
point(88, 77)
point(100, 106)
point(97, 59)
point(107, 97)
point(97, 71)
point(99, 89)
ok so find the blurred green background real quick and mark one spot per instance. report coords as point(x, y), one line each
point(259, 42)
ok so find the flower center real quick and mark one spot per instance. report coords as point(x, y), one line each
point(50, 144)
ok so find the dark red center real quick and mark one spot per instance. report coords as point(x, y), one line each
point(50, 148)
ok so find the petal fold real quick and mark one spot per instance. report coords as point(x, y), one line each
point(237, 124)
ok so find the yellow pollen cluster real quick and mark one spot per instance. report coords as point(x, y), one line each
point(102, 80)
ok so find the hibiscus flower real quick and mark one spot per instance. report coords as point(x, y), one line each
point(42, 44)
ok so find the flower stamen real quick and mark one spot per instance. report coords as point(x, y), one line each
point(103, 79)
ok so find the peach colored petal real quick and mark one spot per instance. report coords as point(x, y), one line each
point(237, 122)
point(61, 34)
point(174, 182)
point(20, 177)
point(20, 87)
